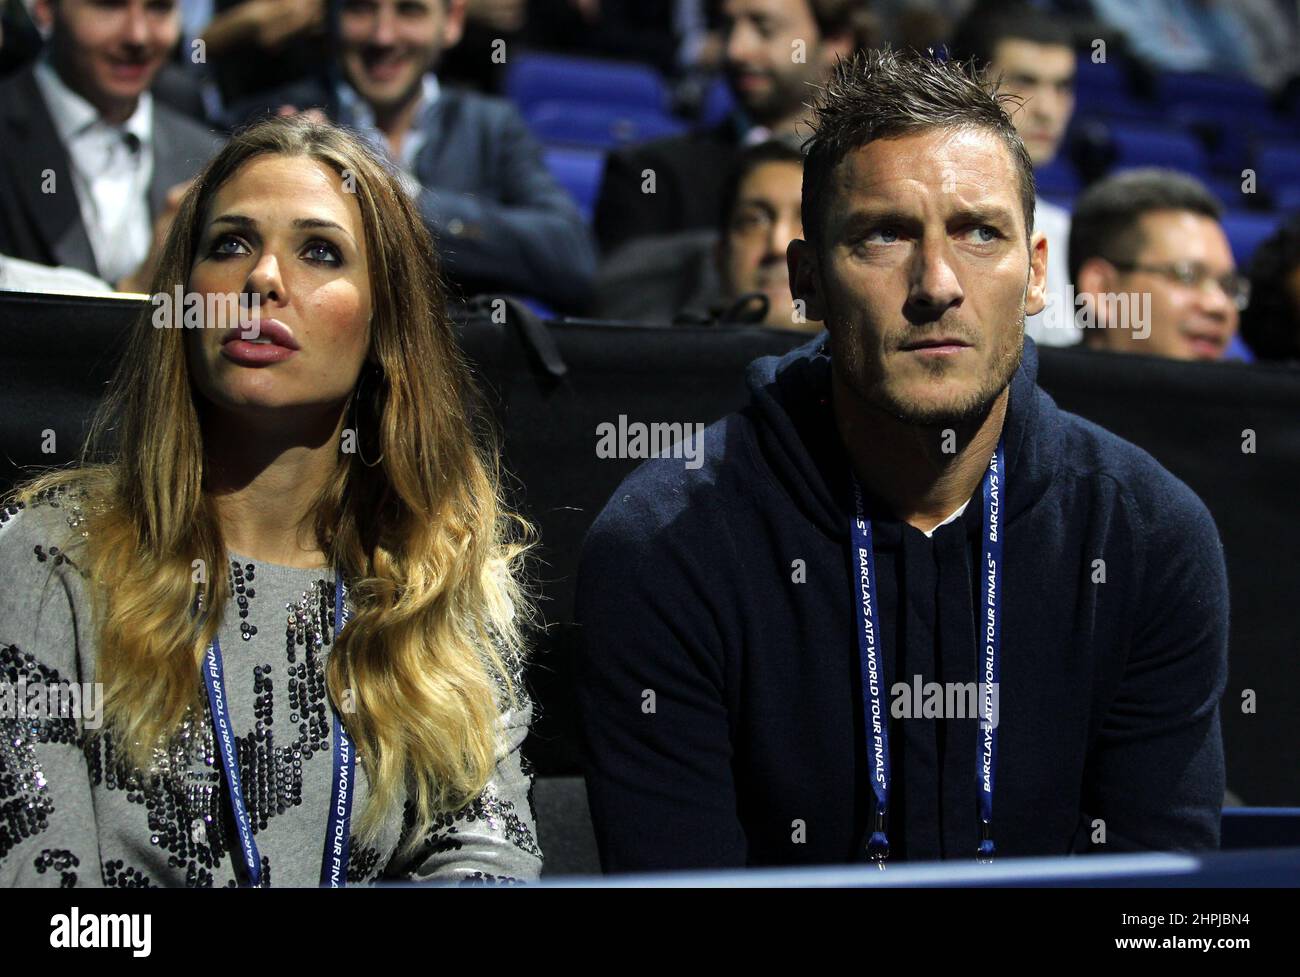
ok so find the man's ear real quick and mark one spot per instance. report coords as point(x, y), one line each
point(1096, 277)
point(1036, 293)
point(805, 282)
point(453, 28)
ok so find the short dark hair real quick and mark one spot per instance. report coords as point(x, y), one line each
point(750, 159)
point(1270, 325)
point(880, 94)
point(1106, 215)
point(989, 24)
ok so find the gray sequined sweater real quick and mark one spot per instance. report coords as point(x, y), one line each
point(72, 813)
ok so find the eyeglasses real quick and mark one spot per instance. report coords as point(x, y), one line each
point(1191, 275)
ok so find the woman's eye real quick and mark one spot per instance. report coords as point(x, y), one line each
point(322, 251)
point(227, 246)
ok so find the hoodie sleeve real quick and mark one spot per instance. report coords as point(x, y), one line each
point(651, 699)
point(1155, 774)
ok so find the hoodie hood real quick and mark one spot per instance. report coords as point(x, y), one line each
point(797, 433)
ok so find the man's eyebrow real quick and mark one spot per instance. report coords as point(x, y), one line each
point(984, 214)
point(875, 215)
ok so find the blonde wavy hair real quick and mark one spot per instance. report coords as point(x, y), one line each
point(432, 555)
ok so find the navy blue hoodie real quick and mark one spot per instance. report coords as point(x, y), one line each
point(719, 683)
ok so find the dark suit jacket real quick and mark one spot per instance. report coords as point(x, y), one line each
point(501, 221)
point(691, 171)
point(47, 227)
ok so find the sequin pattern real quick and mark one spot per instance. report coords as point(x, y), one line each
point(182, 796)
point(25, 802)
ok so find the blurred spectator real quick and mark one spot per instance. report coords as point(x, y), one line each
point(1153, 269)
point(763, 214)
point(258, 45)
point(17, 275)
point(1270, 325)
point(91, 167)
point(501, 221)
point(736, 273)
point(1251, 38)
point(1033, 57)
point(776, 50)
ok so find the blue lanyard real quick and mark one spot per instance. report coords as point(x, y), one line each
point(334, 863)
point(875, 715)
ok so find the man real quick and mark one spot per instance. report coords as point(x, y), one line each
point(726, 634)
point(501, 222)
point(91, 167)
point(1032, 57)
point(776, 51)
point(736, 273)
point(1152, 268)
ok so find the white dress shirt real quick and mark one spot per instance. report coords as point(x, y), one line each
point(1059, 327)
point(112, 166)
point(363, 121)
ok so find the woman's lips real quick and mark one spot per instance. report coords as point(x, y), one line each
point(244, 353)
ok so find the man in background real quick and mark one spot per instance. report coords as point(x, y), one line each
point(732, 273)
point(91, 166)
point(1153, 269)
point(1032, 57)
point(776, 52)
point(501, 221)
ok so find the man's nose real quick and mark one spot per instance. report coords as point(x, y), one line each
point(384, 33)
point(934, 286)
point(779, 236)
point(135, 30)
point(740, 44)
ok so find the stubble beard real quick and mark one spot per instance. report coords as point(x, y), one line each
point(969, 411)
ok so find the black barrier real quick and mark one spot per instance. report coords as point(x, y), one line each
point(550, 386)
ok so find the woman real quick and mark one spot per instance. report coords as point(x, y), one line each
point(312, 444)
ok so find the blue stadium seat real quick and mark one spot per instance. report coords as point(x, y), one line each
point(1194, 87)
point(1277, 165)
point(579, 171)
point(1057, 179)
point(1246, 231)
point(1148, 145)
point(534, 78)
point(1238, 350)
point(1104, 90)
point(1228, 190)
point(598, 126)
point(1232, 130)
point(718, 102)
point(1287, 199)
